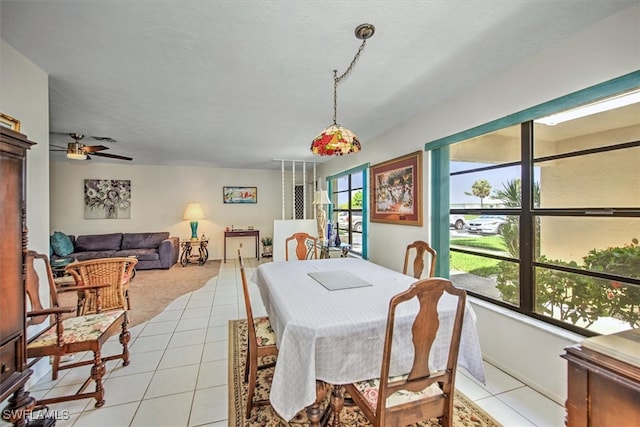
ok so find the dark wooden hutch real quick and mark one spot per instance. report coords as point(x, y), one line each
point(13, 244)
point(604, 381)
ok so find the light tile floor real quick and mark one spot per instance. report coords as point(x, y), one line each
point(178, 370)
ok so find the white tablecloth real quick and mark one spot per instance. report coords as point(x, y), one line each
point(338, 336)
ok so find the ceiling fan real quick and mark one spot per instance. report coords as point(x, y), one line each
point(78, 151)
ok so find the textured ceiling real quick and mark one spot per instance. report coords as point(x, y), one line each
point(235, 84)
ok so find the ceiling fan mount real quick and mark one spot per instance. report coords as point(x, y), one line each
point(78, 151)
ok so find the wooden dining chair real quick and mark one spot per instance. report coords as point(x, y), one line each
point(116, 272)
point(421, 247)
point(69, 334)
point(261, 342)
point(306, 246)
point(420, 394)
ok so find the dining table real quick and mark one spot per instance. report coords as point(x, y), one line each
point(329, 317)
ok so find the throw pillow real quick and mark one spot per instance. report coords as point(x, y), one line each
point(61, 244)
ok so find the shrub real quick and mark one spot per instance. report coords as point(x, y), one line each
point(573, 297)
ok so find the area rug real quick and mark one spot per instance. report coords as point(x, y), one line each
point(151, 291)
point(466, 413)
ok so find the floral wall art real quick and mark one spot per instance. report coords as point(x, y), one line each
point(397, 194)
point(107, 199)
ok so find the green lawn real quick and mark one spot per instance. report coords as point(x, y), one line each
point(474, 264)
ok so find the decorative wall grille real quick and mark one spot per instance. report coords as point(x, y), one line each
point(299, 202)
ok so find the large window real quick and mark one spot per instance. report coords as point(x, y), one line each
point(348, 213)
point(551, 213)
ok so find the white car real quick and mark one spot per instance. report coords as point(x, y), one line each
point(356, 221)
point(457, 221)
point(487, 224)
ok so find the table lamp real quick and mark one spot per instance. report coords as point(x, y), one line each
point(193, 213)
point(321, 198)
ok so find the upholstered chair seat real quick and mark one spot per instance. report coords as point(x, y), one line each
point(264, 332)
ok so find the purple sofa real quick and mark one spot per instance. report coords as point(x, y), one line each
point(153, 250)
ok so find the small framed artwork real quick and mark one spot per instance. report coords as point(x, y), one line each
point(397, 190)
point(9, 122)
point(240, 194)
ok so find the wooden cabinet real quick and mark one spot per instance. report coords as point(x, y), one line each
point(604, 381)
point(13, 242)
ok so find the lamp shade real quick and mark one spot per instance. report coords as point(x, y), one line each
point(321, 198)
point(193, 211)
point(335, 141)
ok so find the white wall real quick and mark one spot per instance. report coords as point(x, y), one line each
point(24, 90)
point(25, 96)
point(159, 195)
point(607, 50)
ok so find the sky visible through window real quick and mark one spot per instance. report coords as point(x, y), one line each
point(461, 184)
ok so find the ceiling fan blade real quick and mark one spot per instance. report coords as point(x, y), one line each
point(112, 156)
point(94, 148)
point(104, 138)
point(57, 146)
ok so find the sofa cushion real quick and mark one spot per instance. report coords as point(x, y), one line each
point(61, 244)
point(141, 254)
point(99, 242)
point(143, 240)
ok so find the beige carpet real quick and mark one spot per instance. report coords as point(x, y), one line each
point(151, 291)
point(466, 413)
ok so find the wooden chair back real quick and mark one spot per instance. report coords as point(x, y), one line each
point(260, 343)
point(438, 401)
point(306, 246)
point(252, 341)
point(421, 247)
point(115, 272)
point(32, 288)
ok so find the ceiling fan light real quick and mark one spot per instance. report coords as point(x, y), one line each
point(76, 155)
point(335, 141)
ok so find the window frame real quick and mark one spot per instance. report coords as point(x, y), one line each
point(364, 169)
point(440, 196)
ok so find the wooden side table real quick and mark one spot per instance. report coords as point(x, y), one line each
point(187, 248)
point(242, 233)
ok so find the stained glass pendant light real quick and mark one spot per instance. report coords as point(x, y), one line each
point(337, 140)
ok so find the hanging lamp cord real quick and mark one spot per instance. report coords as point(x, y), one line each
point(337, 79)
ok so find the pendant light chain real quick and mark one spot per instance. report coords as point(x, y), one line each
point(337, 79)
point(337, 140)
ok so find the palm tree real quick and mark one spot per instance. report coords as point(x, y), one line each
point(481, 188)
point(511, 196)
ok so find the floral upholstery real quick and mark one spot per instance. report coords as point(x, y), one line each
point(264, 331)
point(369, 390)
point(78, 329)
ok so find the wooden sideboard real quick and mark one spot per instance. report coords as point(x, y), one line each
point(13, 244)
point(242, 233)
point(604, 381)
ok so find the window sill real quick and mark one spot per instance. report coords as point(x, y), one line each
point(529, 321)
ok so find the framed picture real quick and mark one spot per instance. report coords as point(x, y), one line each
point(396, 190)
point(9, 122)
point(240, 194)
point(107, 199)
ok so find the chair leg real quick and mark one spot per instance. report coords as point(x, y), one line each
point(125, 337)
point(55, 367)
point(253, 373)
point(97, 373)
point(246, 364)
